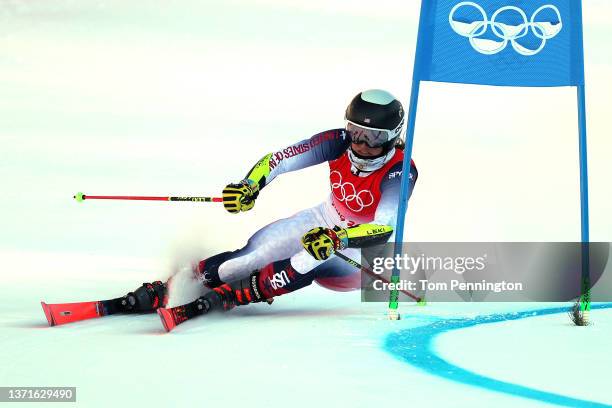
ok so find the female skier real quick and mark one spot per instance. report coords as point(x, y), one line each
point(365, 168)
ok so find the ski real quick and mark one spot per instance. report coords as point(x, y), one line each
point(145, 299)
point(62, 313)
point(220, 299)
point(173, 316)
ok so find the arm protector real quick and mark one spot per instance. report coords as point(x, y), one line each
point(364, 235)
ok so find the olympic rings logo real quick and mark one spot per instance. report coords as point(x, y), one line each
point(347, 194)
point(507, 33)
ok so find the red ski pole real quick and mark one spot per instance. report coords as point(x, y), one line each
point(80, 197)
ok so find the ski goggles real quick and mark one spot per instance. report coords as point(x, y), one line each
point(371, 136)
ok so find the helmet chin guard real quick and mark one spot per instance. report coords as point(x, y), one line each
point(362, 164)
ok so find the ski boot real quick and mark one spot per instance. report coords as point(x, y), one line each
point(145, 299)
point(220, 299)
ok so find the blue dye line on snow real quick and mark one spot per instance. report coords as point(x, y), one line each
point(415, 346)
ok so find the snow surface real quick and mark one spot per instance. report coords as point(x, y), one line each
point(315, 348)
point(152, 98)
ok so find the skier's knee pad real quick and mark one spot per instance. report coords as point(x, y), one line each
point(208, 269)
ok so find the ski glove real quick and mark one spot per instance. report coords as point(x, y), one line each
point(240, 196)
point(322, 242)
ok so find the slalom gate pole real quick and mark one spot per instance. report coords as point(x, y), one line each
point(80, 197)
point(371, 273)
point(585, 289)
